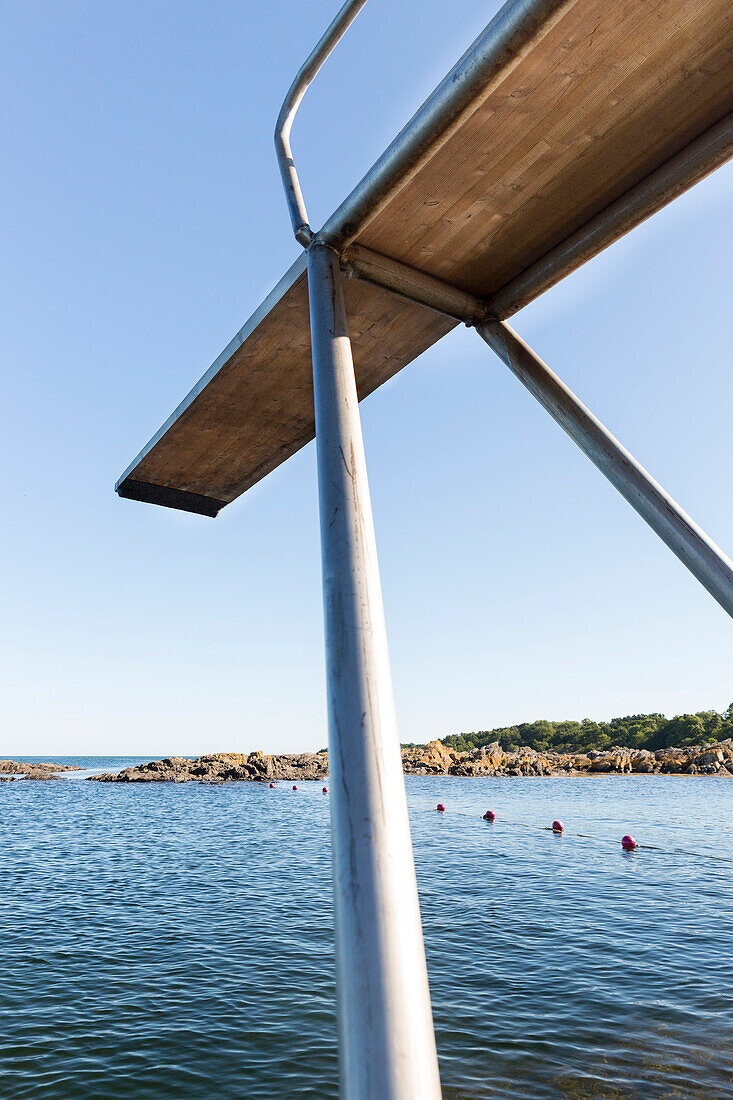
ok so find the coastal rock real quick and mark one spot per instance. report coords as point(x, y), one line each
point(431, 759)
point(711, 756)
point(614, 760)
point(642, 760)
point(223, 767)
point(38, 771)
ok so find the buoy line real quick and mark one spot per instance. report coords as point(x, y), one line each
point(558, 829)
point(587, 836)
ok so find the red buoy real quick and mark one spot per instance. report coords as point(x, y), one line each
point(440, 808)
point(272, 784)
point(489, 816)
point(558, 827)
point(325, 790)
point(295, 786)
point(628, 843)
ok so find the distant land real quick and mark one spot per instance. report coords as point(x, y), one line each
point(688, 744)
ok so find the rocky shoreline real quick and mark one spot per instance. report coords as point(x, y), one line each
point(432, 759)
point(436, 759)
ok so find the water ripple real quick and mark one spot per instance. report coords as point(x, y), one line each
point(176, 941)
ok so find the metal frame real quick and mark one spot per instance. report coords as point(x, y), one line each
point(387, 1043)
point(706, 561)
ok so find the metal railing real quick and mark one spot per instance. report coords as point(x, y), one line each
point(306, 73)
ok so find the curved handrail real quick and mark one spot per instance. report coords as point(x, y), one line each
point(306, 73)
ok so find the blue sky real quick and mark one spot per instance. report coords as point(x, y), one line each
point(142, 222)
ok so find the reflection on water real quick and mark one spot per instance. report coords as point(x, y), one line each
point(175, 940)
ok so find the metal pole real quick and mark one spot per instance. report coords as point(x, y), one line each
point(682, 535)
point(387, 1042)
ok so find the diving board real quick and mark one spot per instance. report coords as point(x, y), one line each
point(564, 125)
point(254, 406)
point(599, 96)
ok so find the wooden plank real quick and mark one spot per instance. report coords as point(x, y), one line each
point(611, 91)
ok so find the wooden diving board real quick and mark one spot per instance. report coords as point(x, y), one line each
point(605, 95)
point(254, 406)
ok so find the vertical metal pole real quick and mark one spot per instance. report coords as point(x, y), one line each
point(387, 1042)
point(703, 558)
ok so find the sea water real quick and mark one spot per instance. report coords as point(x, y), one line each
point(175, 940)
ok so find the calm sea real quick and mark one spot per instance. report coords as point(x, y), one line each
point(176, 941)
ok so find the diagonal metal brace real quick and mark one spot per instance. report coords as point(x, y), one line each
point(703, 558)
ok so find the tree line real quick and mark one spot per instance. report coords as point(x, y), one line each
point(636, 731)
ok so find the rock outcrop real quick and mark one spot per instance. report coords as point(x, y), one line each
point(436, 759)
point(223, 767)
point(9, 769)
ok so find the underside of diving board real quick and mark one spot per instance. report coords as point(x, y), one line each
point(606, 95)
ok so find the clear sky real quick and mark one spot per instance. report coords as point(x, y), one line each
point(142, 222)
